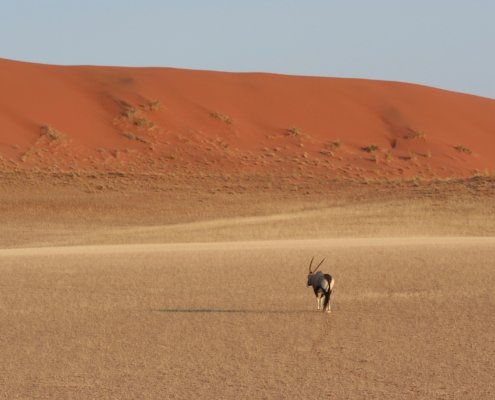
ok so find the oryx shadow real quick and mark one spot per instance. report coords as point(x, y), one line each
point(227, 311)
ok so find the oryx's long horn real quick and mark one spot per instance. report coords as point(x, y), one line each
point(316, 269)
point(311, 263)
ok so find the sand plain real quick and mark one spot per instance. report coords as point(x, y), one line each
point(411, 318)
point(112, 307)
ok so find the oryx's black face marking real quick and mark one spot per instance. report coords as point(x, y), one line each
point(322, 286)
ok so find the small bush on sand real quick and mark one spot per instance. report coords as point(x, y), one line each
point(130, 112)
point(370, 149)
point(415, 135)
point(226, 119)
point(387, 156)
point(129, 135)
point(154, 105)
point(143, 123)
point(326, 152)
point(51, 133)
point(293, 132)
point(410, 156)
point(463, 149)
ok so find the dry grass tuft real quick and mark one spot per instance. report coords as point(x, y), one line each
point(326, 152)
point(371, 148)
point(143, 123)
point(129, 135)
point(410, 156)
point(415, 135)
point(129, 112)
point(133, 115)
point(335, 144)
point(463, 149)
point(154, 105)
point(226, 119)
point(387, 156)
point(132, 136)
point(293, 132)
point(51, 133)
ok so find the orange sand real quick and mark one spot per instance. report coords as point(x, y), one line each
point(86, 118)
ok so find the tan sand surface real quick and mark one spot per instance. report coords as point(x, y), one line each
point(411, 318)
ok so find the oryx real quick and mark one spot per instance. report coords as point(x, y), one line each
point(322, 286)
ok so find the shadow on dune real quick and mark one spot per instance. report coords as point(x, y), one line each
point(226, 311)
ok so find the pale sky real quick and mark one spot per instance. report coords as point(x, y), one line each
point(443, 43)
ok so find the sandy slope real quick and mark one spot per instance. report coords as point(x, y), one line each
point(85, 118)
point(412, 318)
point(63, 212)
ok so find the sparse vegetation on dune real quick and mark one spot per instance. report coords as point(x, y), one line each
point(370, 148)
point(463, 149)
point(410, 156)
point(226, 119)
point(415, 135)
point(132, 136)
point(293, 132)
point(154, 105)
point(387, 156)
point(327, 152)
point(129, 111)
point(336, 144)
point(51, 133)
point(143, 123)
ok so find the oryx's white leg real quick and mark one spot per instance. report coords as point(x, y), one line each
point(328, 307)
point(318, 302)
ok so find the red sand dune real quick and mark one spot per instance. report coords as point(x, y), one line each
point(85, 118)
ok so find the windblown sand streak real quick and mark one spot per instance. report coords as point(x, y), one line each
point(250, 245)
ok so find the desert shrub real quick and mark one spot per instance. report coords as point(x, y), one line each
point(226, 119)
point(410, 156)
point(415, 135)
point(326, 152)
point(50, 133)
point(129, 135)
point(463, 149)
point(370, 149)
point(293, 132)
point(154, 105)
point(132, 136)
point(143, 123)
point(130, 112)
point(336, 144)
